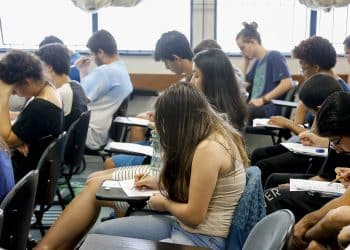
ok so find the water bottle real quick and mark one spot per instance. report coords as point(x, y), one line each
point(156, 161)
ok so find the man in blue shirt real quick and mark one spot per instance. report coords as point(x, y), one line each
point(106, 86)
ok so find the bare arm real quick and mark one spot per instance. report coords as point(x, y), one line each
point(205, 171)
point(309, 220)
point(300, 113)
point(280, 89)
point(5, 125)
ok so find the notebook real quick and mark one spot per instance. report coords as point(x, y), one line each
point(128, 187)
point(263, 122)
point(322, 187)
point(132, 121)
point(299, 148)
point(131, 148)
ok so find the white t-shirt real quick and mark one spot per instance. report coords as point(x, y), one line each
point(66, 94)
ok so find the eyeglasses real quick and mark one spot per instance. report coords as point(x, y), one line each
point(333, 142)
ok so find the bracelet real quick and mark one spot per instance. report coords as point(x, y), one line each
point(264, 99)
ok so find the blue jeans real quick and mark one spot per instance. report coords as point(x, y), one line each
point(158, 228)
point(123, 160)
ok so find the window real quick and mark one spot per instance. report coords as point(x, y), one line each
point(139, 28)
point(333, 25)
point(282, 24)
point(26, 23)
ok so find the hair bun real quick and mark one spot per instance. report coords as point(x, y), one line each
point(250, 26)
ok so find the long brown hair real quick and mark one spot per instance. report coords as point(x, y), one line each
point(183, 119)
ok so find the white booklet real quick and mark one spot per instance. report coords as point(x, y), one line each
point(131, 148)
point(128, 187)
point(132, 121)
point(263, 122)
point(299, 148)
point(322, 187)
point(284, 103)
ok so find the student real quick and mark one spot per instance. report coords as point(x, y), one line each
point(40, 122)
point(56, 69)
point(107, 86)
point(269, 75)
point(174, 50)
point(332, 122)
point(284, 161)
point(202, 213)
point(73, 56)
point(324, 224)
point(7, 180)
point(214, 75)
point(212, 44)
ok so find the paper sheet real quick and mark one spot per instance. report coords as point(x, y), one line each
point(129, 188)
point(131, 148)
point(299, 148)
point(323, 187)
point(111, 184)
point(131, 121)
point(263, 122)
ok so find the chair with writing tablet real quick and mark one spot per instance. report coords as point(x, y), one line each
point(277, 133)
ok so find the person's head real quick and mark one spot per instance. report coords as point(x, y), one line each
point(315, 54)
point(183, 119)
point(333, 121)
point(346, 44)
point(316, 89)
point(102, 44)
point(55, 59)
point(173, 49)
point(213, 74)
point(21, 69)
point(50, 39)
point(206, 44)
point(248, 40)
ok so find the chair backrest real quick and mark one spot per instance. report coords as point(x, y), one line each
point(76, 137)
point(1, 220)
point(290, 96)
point(17, 212)
point(272, 232)
point(116, 131)
point(49, 167)
point(250, 210)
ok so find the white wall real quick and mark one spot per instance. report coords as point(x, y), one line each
point(147, 65)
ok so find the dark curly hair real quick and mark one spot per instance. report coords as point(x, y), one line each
point(18, 65)
point(347, 42)
point(249, 32)
point(316, 50)
point(172, 43)
point(49, 40)
point(56, 55)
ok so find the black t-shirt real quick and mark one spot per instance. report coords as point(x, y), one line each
point(79, 104)
point(39, 123)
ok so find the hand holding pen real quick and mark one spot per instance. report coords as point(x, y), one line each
point(145, 180)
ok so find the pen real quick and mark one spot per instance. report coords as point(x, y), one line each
point(337, 178)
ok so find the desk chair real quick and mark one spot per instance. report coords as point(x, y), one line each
point(272, 232)
point(277, 134)
point(49, 168)
point(74, 152)
point(115, 132)
point(17, 208)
